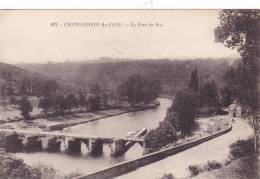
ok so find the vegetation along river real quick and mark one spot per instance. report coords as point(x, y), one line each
point(115, 126)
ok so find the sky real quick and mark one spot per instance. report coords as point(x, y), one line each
point(33, 35)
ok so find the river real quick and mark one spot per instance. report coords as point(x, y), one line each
point(115, 126)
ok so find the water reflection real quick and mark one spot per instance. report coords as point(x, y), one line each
point(118, 126)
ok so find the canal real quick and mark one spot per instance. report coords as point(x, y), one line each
point(116, 126)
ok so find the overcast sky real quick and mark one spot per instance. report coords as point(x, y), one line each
point(27, 36)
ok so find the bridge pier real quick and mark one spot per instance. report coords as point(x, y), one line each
point(32, 143)
point(53, 145)
point(118, 147)
point(86, 142)
point(95, 146)
point(74, 146)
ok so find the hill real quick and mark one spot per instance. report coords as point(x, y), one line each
point(14, 81)
point(174, 74)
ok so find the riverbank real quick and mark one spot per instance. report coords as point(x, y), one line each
point(60, 122)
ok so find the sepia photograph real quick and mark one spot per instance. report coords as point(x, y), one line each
point(129, 94)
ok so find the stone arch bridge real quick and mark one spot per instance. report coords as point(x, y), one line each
point(52, 141)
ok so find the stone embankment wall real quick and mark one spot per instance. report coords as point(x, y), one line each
point(122, 168)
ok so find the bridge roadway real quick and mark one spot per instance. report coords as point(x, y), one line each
point(72, 142)
point(65, 135)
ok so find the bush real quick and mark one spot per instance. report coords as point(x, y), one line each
point(14, 168)
point(214, 165)
point(167, 176)
point(11, 142)
point(42, 171)
point(242, 148)
point(194, 169)
point(161, 136)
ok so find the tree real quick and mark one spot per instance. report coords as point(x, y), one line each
point(152, 89)
point(46, 103)
point(12, 101)
point(49, 88)
point(231, 89)
point(239, 29)
point(137, 89)
point(82, 102)
point(208, 95)
point(93, 102)
point(70, 102)
point(161, 136)
point(104, 97)
point(25, 108)
point(23, 88)
point(133, 89)
point(95, 89)
point(60, 104)
point(10, 90)
point(194, 81)
point(182, 112)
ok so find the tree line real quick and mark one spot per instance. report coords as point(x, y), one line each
point(135, 91)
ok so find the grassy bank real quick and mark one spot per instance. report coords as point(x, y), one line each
point(242, 163)
point(241, 152)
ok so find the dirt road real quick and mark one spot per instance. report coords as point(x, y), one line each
point(216, 149)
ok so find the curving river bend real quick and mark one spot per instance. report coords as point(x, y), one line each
point(116, 126)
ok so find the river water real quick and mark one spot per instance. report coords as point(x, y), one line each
point(116, 126)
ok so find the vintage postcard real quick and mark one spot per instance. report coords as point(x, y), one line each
point(129, 94)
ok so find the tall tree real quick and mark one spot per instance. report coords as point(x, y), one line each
point(231, 89)
point(239, 29)
point(25, 108)
point(208, 95)
point(82, 102)
point(23, 87)
point(194, 81)
point(183, 110)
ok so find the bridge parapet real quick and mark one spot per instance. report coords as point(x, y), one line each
point(52, 141)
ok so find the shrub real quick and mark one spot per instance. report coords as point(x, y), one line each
point(167, 176)
point(242, 148)
point(214, 165)
point(41, 171)
point(194, 169)
point(13, 168)
point(161, 136)
point(12, 143)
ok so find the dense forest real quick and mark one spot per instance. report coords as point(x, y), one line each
point(17, 81)
point(173, 74)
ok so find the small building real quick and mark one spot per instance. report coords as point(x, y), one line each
point(235, 109)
